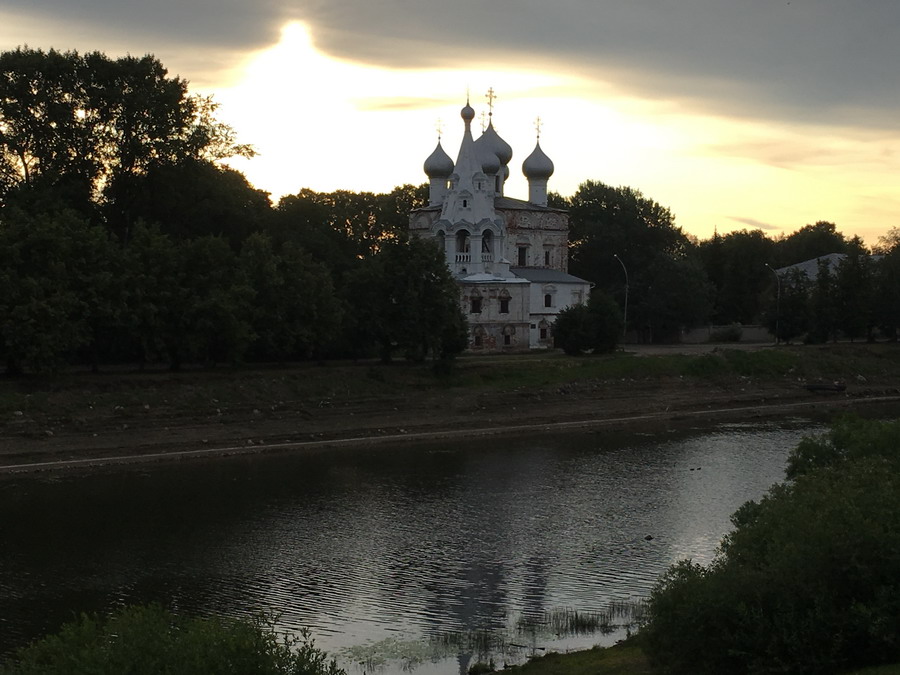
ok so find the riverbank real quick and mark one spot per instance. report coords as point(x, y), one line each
point(79, 418)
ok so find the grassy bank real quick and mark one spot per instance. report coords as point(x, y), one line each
point(626, 658)
point(76, 394)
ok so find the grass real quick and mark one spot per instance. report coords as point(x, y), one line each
point(78, 397)
point(626, 658)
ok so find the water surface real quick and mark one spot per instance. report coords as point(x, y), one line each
point(402, 552)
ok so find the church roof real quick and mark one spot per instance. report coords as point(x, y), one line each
point(545, 275)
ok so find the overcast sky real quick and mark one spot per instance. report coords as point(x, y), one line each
point(734, 113)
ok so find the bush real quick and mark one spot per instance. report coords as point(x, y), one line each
point(808, 582)
point(596, 326)
point(150, 640)
point(731, 333)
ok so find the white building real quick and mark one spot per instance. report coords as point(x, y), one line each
point(510, 257)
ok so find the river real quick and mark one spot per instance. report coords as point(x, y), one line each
point(426, 557)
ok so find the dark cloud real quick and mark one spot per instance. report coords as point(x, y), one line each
point(821, 61)
point(755, 224)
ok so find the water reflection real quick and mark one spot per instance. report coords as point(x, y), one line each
point(393, 547)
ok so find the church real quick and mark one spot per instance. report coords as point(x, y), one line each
point(509, 256)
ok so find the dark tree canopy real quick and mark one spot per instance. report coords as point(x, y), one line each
point(78, 124)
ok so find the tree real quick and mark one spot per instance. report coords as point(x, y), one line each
point(605, 221)
point(810, 241)
point(78, 125)
point(150, 640)
point(736, 265)
point(855, 292)
point(809, 579)
point(404, 299)
point(188, 199)
point(55, 271)
point(294, 312)
point(823, 305)
point(596, 326)
point(788, 314)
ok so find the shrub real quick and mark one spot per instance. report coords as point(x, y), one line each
point(150, 640)
point(596, 326)
point(808, 582)
point(731, 333)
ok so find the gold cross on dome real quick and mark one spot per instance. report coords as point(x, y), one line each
point(537, 127)
point(491, 97)
point(439, 127)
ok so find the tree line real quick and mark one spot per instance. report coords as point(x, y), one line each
point(676, 281)
point(124, 238)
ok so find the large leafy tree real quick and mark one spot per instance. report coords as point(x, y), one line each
point(403, 299)
point(295, 313)
point(855, 287)
point(606, 221)
point(736, 265)
point(78, 125)
point(810, 241)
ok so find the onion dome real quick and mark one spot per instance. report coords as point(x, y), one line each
point(438, 164)
point(490, 163)
point(537, 165)
point(492, 139)
point(467, 113)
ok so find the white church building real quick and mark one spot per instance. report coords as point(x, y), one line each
point(509, 256)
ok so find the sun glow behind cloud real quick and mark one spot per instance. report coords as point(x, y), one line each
point(327, 124)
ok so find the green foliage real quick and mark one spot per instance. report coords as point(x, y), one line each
point(595, 327)
point(731, 333)
point(736, 266)
point(856, 292)
point(809, 580)
point(810, 241)
point(404, 299)
point(56, 274)
point(150, 640)
point(79, 123)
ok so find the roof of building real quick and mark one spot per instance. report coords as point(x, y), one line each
point(545, 275)
point(507, 203)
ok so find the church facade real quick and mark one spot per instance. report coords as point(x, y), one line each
point(509, 256)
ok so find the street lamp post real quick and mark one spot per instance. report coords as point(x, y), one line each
point(625, 312)
point(777, 301)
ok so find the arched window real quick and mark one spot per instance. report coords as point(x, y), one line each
point(548, 300)
point(478, 337)
point(508, 333)
point(504, 298)
point(544, 329)
point(487, 241)
point(475, 303)
point(462, 246)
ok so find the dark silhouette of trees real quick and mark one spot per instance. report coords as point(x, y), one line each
point(658, 255)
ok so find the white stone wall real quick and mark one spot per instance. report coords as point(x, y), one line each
point(490, 323)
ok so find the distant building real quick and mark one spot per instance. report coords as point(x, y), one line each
point(811, 267)
point(510, 257)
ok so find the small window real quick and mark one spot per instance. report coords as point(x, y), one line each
point(507, 339)
point(523, 256)
point(465, 203)
point(476, 306)
point(504, 305)
point(546, 258)
point(477, 339)
point(548, 300)
point(543, 333)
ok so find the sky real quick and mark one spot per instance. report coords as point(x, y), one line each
point(735, 114)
